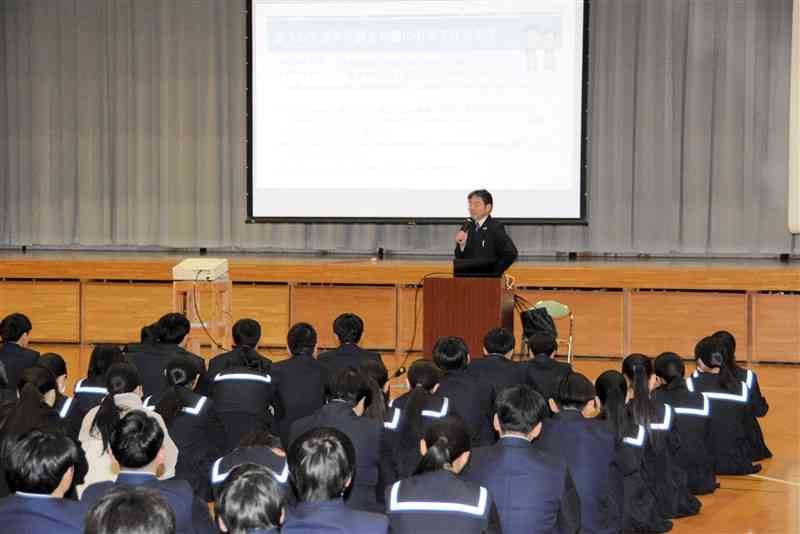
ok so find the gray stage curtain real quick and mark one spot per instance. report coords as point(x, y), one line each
point(122, 124)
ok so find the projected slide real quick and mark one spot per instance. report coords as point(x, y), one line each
point(397, 109)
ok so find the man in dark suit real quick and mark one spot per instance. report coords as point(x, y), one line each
point(15, 331)
point(348, 329)
point(545, 373)
point(482, 245)
point(137, 444)
point(39, 469)
point(300, 379)
point(471, 397)
point(496, 367)
point(533, 490)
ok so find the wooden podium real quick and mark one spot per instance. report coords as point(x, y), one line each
point(467, 308)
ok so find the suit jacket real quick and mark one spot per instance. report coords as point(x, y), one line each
point(152, 359)
point(346, 355)
point(473, 400)
point(544, 374)
point(301, 390)
point(488, 250)
point(365, 433)
point(191, 515)
point(591, 451)
point(23, 513)
point(16, 359)
point(497, 370)
point(332, 517)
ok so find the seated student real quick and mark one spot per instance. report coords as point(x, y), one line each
point(348, 329)
point(260, 448)
point(300, 379)
point(137, 443)
point(692, 423)
point(377, 372)
point(251, 502)
point(90, 391)
point(730, 409)
point(407, 420)
point(39, 469)
point(322, 464)
point(192, 423)
point(640, 511)
point(348, 393)
point(591, 451)
point(124, 395)
point(544, 373)
point(669, 481)
point(435, 498)
point(173, 329)
point(242, 387)
point(496, 366)
point(15, 332)
point(532, 488)
point(56, 364)
point(470, 397)
point(758, 403)
point(131, 510)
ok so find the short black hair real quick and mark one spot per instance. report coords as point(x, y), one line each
point(542, 343)
point(450, 353)
point(131, 510)
point(574, 391)
point(376, 370)
point(103, 357)
point(482, 194)
point(250, 499)
point(54, 362)
point(348, 327)
point(38, 460)
point(150, 333)
point(136, 439)
point(246, 332)
point(302, 338)
point(499, 341)
point(349, 385)
point(321, 461)
point(173, 328)
point(14, 326)
point(519, 409)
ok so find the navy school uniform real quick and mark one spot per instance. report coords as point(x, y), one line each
point(759, 408)
point(730, 413)
point(28, 513)
point(473, 400)
point(198, 435)
point(301, 391)
point(332, 517)
point(191, 515)
point(440, 501)
point(346, 355)
point(16, 358)
point(532, 488)
point(263, 456)
point(220, 362)
point(365, 433)
point(692, 424)
point(591, 451)
point(245, 400)
point(498, 371)
point(87, 394)
point(544, 374)
point(151, 359)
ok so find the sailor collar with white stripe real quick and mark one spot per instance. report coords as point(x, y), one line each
point(478, 509)
point(252, 377)
point(94, 390)
point(217, 477)
point(62, 413)
point(191, 410)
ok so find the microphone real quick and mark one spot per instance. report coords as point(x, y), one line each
point(469, 222)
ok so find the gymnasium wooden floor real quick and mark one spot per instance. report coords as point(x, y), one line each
point(765, 503)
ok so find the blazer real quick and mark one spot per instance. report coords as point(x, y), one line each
point(301, 390)
point(498, 371)
point(16, 359)
point(473, 400)
point(346, 355)
point(332, 517)
point(488, 250)
point(27, 513)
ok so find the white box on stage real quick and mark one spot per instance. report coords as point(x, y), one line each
point(205, 269)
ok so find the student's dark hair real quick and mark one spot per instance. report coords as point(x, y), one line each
point(136, 439)
point(38, 460)
point(321, 461)
point(423, 375)
point(246, 335)
point(450, 353)
point(519, 409)
point(377, 375)
point(447, 439)
point(30, 412)
point(260, 438)
point(612, 388)
point(14, 326)
point(250, 499)
point(3, 377)
point(348, 327)
point(669, 367)
point(728, 343)
point(482, 194)
point(180, 372)
point(712, 353)
point(638, 369)
point(38, 376)
point(150, 334)
point(349, 385)
point(173, 328)
point(499, 341)
point(103, 357)
point(301, 339)
point(120, 378)
point(376, 370)
point(54, 362)
point(574, 391)
point(542, 343)
point(131, 510)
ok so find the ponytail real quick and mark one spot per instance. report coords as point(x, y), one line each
point(423, 376)
point(715, 355)
point(181, 373)
point(120, 378)
point(611, 389)
point(377, 407)
point(669, 367)
point(246, 335)
point(247, 356)
point(638, 369)
point(447, 439)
